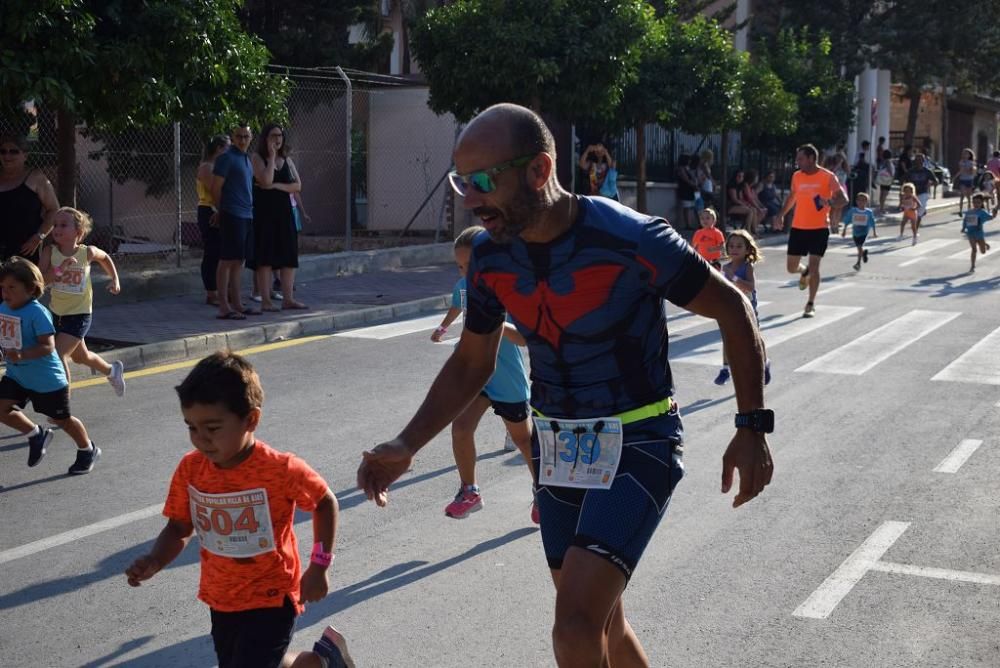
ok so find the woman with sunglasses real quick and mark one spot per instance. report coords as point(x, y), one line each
point(27, 202)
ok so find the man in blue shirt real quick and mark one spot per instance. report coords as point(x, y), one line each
point(583, 280)
point(232, 190)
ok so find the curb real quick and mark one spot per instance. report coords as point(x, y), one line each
point(196, 347)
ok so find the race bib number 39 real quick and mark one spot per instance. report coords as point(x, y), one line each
point(10, 332)
point(579, 453)
point(233, 525)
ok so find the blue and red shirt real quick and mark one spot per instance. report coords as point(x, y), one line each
point(590, 305)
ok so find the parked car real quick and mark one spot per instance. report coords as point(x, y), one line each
point(941, 173)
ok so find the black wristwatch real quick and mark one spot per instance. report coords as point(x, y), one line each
point(760, 420)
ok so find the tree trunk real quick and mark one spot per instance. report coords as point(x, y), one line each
point(66, 156)
point(911, 116)
point(640, 160)
point(723, 177)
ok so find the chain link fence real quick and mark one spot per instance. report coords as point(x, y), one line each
point(371, 155)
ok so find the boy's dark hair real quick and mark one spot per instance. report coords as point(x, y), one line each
point(809, 151)
point(24, 272)
point(223, 378)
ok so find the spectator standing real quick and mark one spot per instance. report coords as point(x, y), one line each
point(904, 163)
point(994, 165)
point(705, 181)
point(769, 197)
point(232, 179)
point(967, 172)
point(210, 239)
point(687, 189)
point(601, 170)
point(861, 171)
point(27, 202)
point(922, 179)
point(884, 178)
point(276, 241)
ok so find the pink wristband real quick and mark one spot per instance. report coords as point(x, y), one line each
point(321, 558)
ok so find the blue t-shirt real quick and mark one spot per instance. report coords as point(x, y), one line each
point(590, 305)
point(861, 220)
point(237, 190)
point(44, 374)
point(509, 382)
point(973, 220)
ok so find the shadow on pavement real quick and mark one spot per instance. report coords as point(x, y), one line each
point(125, 648)
point(198, 651)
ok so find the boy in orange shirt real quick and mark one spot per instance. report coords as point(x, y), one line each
point(709, 240)
point(240, 495)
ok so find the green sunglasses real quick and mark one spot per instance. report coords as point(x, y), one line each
point(482, 180)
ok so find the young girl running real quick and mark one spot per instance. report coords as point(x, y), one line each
point(861, 220)
point(34, 371)
point(972, 225)
point(507, 392)
point(743, 253)
point(65, 265)
point(910, 205)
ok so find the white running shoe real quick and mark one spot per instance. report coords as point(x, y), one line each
point(117, 378)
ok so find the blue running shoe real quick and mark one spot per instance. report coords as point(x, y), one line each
point(723, 376)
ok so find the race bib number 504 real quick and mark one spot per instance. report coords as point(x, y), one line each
point(579, 453)
point(233, 525)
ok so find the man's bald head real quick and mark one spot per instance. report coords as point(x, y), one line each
point(522, 130)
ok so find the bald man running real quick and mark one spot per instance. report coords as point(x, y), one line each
point(583, 279)
point(818, 199)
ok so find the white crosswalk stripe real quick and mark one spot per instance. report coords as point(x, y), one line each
point(394, 329)
point(775, 332)
point(686, 320)
point(878, 345)
point(922, 248)
point(979, 364)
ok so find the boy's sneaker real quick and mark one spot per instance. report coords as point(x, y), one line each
point(767, 372)
point(509, 445)
point(810, 310)
point(804, 279)
point(85, 460)
point(468, 500)
point(117, 378)
point(857, 266)
point(332, 648)
point(723, 376)
point(864, 255)
point(38, 445)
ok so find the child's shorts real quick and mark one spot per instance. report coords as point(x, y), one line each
point(76, 325)
point(252, 638)
point(859, 241)
point(53, 404)
point(516, 411)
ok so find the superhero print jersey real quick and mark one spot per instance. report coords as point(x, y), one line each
point(590, 304)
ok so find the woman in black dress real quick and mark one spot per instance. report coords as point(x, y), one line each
point(27, 202)
point(276, 241)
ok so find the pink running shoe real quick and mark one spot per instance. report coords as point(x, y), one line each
point(535, 517)
point(468, 500)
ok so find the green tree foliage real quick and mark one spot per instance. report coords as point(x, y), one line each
point(770, 112)
point(118, 65)
point(569, 58)
point(802, 61)
point(312, 33)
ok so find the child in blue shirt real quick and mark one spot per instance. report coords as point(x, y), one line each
point(34, 371)
point(972, 226)
point(861, 219)
point(507, 392)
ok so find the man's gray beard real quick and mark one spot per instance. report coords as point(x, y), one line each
point(523, 212)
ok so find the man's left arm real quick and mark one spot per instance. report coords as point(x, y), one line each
point(748, 452)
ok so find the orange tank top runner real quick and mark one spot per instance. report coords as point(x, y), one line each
point(812, 196)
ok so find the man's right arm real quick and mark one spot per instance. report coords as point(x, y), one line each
point(789, 203)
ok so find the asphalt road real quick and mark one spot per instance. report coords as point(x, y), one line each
point(876, 544)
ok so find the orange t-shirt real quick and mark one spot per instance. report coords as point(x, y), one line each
point(805, 188)
point(705, 239)
point(244, 519)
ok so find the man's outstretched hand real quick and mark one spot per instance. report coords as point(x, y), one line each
point(749, 454)
point(382, 466)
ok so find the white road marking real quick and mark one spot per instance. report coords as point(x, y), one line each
point(938, 573)
point(958, 456)
point(979, 364)
point(880, 344)
point(922, 248)
point(81, 532)
point(833, 288)
point(913, 261)
point(686, 321)
point(821, 602)
point(775, 332)
point(394, 329)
